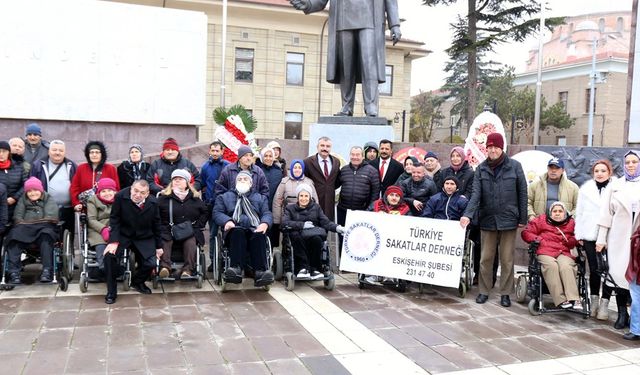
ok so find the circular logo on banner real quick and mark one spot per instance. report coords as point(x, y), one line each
point(362, 242)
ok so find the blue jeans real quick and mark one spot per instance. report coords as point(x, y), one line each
point(634, 289)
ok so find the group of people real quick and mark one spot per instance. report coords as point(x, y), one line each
point(139, 206)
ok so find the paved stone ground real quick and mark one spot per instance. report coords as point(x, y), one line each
point(249, 331)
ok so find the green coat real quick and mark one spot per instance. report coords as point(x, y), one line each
point(44, 209)
point(98, 218)
point(537, 196)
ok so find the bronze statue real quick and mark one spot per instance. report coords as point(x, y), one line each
point(356, 51)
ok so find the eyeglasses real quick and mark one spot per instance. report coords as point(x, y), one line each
point(94, 152)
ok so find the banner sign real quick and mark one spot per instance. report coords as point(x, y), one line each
point(410, 248)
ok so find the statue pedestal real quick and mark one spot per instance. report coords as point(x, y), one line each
point(346, 132)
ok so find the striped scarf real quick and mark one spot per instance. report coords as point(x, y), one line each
point(243, 206)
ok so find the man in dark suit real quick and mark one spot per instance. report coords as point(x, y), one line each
point(135, 225)
point(323, 169)
point(388, 168)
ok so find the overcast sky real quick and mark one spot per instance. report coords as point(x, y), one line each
point(431, 26)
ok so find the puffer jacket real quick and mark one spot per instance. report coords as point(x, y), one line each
point(97, 219)
point(464, 175)
point(227, 180)
point(226, 204)
point(286, 194)
point(294, 217)
point(552, 242)
point(360, 186)
point(86, 177)
point(192, 209)
point(4, 215)
point(159, 174)
point(537, 195)
point(446, 207)
point(418, 190)
point(13, 178)
point(499, 200)
point(44, 209)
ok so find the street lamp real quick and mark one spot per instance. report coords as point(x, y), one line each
point(396, 119)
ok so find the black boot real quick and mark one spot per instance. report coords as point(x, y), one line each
point(623, 319)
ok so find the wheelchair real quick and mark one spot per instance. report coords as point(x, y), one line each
point(466, 274)
point(62, 259)
point(222, 261)
point(89, 263)
point(177, 260)
point(531, 283)
point(283, 265)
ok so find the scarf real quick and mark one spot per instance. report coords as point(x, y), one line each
point(460, 151)
point(106, 202)
point(243, 206)
point(497, 162)
point(5, 164)
point(294, 162)
point(602, 185)
point(181, 194)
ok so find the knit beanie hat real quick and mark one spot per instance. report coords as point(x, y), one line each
point(303, 187)
point(181, 173)
point(170, 144)
point(106, 183)
point(4, 145)
point(33, 183)
point(454, 179)
point(431, 154)
point(243, 150)
point(496, 140)
point(33, 128)
point(394, 189)
point(244, 173)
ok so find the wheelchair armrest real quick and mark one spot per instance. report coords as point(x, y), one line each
point(533, 247)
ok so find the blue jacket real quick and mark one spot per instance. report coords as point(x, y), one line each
point(273, 175)
point(443, 206)
point(227, 180)
point(209, 173)
point(39, 170)
point(226, 204)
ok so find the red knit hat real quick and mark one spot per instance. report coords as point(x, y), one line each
point(394, 189)
point(106, 183)
point(170, 144)
point(496, 140)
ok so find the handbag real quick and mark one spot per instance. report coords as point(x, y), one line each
point(312, 232)
point(182, 231)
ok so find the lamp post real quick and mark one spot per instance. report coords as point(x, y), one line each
point(592, 92)
point(396, 119)
point(223, 52)
point(536, 115)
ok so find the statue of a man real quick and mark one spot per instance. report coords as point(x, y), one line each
point(356, 51)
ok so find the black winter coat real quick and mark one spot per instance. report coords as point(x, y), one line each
point(294, 217)
point(499, 200)
point(4, 214)
point(421, 190)
point(13, 179)
point(126, 173)
point(191, 209)
point(132, 225)
point(464, 175)
point(360, 186)
point(159, 174)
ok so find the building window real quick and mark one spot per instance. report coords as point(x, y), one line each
point(386, 88)
point(563, 97)
point(561, 140)
point(601, 25)
point(619, 25)
point(595, 100)
point(585, 137)
point(293, 125)
point(295, 69)
point(244, 64)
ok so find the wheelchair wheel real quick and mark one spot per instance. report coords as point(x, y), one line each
point(154, 282)
point(202, 270)
point(533, 307)
point(360, 281)
point(67, 255)
point(402, 286)
point(289, 281)
point(266, 288)
point(199, 281)
point(521, 288)
point(330, 283)
point(462, 289)
point(83, 283)
point(277, 265)
point(64, 283)
point(126, 281)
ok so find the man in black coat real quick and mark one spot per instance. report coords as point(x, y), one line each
point(135, 225)
point(500, 199)
point(388, 168)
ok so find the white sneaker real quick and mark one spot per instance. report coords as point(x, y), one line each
point(371, 279)
point(315, 275)
point(303, 274)
point(389, 281)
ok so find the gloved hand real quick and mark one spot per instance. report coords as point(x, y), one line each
point(340, 229)
point(308, 225)
point(105, 234)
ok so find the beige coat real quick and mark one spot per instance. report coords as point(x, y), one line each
point(98, 218)
point(537, 196)
point(287, 191)
point(616, 226)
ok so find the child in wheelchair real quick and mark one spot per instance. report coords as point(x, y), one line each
point(555, 234)
point(98, 212)
point(307, 226)
point(35, 218)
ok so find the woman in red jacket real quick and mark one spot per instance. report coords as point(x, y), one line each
point(85, 180)
point(555, 233)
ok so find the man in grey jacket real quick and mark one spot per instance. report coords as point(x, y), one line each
point(500, 197)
